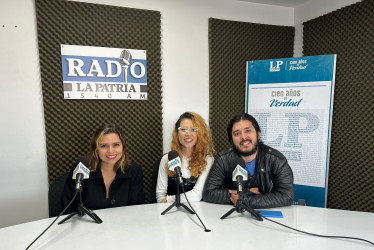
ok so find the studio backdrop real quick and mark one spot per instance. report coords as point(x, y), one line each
point(231, 45)
point(349, 33)
point(70, 123)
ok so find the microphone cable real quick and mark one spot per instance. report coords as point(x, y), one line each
point(318, 235)
point(205, 229)
point(63, 211)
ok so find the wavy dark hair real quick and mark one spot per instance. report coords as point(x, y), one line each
point(238, 118)
point(123, 163)
point(204, 144)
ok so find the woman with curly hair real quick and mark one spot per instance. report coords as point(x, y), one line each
point(114, 180)
point(192, 139)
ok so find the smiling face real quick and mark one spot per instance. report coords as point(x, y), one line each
point(186, 136)
point(110, 149)
point(245, 138)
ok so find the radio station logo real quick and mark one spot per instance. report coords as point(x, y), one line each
point(103, 73)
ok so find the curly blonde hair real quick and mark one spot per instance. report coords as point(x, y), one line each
point(203, 147)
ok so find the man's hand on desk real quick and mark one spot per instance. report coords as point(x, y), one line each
point(234, 194)
point(254, 190)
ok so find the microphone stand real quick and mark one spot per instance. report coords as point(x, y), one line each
point(177, 202)
point(240, 207)
point(82, 210)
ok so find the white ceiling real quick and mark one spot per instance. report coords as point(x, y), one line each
point(285, 3)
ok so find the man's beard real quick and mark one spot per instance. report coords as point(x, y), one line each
point(248, 153)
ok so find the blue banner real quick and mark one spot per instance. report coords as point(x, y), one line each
point(292, 99)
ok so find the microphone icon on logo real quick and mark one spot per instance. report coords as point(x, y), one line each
point(125, 58)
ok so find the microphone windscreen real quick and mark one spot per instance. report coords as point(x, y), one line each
point(83, 160)
point(239, 170)
point(172, 155)
point(81, 168)
point(239, 161)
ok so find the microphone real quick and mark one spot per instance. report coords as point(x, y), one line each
point(125, 58)
point(81, 172)
point(174, 164)
point(239, 174)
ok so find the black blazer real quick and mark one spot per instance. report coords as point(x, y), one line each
point(126, 189)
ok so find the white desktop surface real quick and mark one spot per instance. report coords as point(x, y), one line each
point(143, 227)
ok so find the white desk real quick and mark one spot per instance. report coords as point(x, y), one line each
point(142, 227)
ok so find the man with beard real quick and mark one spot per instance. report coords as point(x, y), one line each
point(270, 178)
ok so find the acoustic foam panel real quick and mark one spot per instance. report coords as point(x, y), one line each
point(69, 124)
point(349, 33)
point(231, 45)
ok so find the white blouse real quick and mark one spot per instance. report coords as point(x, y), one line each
point(162, 181)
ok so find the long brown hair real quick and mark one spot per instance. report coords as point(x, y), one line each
point(93, 157)
point(203, 147)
